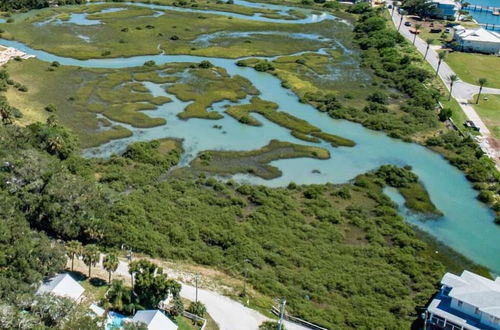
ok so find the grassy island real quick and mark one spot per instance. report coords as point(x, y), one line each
point(255, 162)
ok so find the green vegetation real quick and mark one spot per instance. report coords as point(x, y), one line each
point(255, 162)
point(416, 197)
point(465, 154)
point(299, 127)
point(207, 86)
point(470, 67)
point(150, 286)
point(136, 31)
point(11, 5)
point(226, 6)
point(489, 111)
point(78, 94)
point(303, 232)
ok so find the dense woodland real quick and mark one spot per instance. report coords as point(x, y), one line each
point(297, 239)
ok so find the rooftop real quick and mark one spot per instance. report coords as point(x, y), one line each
point(477, 34)
point(62, 285)
point(440, 306)
point(475, 290)
point(155, 320)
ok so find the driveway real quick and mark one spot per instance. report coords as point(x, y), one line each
point(227, 313)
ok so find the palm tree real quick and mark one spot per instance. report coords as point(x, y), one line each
point(402, 13)
point(90, 256)
point(110, 263)
point(120, 297)
point(482, 82)
point(417, 28)
point(441, 56)
point(429, 42)
point(453, 79)
point(73, 249)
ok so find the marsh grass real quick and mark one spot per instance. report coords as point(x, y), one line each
point(135, 31)
point(255, 162)
point(208, 86)
point(300, 128)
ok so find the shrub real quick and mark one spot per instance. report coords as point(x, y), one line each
point(50, 108)
point(264, 66)
point(197, 308)
point(445, 114)
point(205, 64)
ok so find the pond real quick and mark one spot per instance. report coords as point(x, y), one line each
point(467, 225)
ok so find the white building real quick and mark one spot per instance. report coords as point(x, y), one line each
point(155, 320)
point(445, 9)
point(468, 301)
point(62, 285)
point(477, 40)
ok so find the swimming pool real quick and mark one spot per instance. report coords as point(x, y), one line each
point(115, 321)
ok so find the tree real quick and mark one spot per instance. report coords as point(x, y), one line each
point(73, 249)
point(6, 114)
point(482, 82)
point(90, 256)
point(421, 8)
point(417, 30)
point(110, 263)
point(445, 114)
point(429, 42)
point(197, 308)
point(50, 309)
point(441, 57)
point(151, 285)
point(402, 13)
point(205, 64)
point(120, 298)
point(453, 79)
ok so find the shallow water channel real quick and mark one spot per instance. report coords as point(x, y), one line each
point(468, 225)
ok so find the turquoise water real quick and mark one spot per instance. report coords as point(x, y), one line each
point(467, 225)
point(486, 17)
point(115, 321)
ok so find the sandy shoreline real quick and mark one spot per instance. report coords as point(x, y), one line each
point(7, 53)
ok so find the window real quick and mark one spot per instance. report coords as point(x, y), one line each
point(476, 311)
point(496, 320)
point(460, 303)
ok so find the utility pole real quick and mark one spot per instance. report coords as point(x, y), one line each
point(196, 278)
point(282, 313)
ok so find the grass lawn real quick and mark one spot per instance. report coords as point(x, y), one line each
point(470, 67)
point(489, 111)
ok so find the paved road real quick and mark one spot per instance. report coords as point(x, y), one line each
point(462, 91)
point(227, 313)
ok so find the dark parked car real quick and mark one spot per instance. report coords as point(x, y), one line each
point(407, 23)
